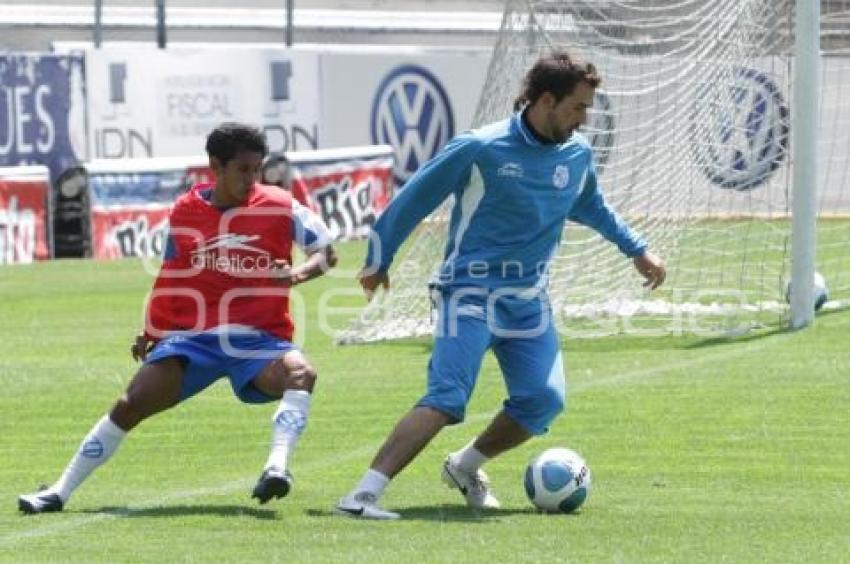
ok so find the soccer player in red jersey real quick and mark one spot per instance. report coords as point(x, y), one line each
point(219, 307)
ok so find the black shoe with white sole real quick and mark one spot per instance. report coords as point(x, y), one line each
point(42, 501)
point(274, 483)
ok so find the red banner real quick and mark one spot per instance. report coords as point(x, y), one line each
point(348, 193)
point(23, 217)
point(131, 231)
point(131, 200)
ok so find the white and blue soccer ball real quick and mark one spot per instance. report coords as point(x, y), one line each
point(557, 481)
point(820, 292)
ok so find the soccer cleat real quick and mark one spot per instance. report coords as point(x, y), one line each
point(42, 501)
point(274, 483)
point(363, 505)
point(475, 486)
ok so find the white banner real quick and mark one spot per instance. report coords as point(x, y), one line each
point(412, 99)
point(146, 102)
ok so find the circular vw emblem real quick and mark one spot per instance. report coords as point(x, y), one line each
point(739, 131)
point(412, 113)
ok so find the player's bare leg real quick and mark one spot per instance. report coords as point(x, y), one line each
point(502, 434)
point(292, 379)
point(154, 388)
point(411, 434)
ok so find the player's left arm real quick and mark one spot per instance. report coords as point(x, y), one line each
point(312, 236)
point(593, 211)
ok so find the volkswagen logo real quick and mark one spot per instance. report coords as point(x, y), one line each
point(739, 129)
point(412, 113)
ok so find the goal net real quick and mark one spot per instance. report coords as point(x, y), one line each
point(691, 130)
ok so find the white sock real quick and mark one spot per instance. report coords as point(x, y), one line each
point(100, 444)
point(373, 482)
point(289, 422)
point(469, 458)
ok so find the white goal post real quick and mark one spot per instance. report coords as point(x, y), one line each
point(721, 132)
point(804, 125)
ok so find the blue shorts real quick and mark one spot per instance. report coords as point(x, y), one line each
point(522, 335)
point(210, 356)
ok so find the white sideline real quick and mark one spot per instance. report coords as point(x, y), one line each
point(627, 377)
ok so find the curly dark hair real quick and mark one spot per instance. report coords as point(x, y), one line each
point(557, 73)
point(231, 138)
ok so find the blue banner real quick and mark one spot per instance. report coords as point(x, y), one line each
point(137, 188)
point(42, 114)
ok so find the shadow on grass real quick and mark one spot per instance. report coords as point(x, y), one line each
point(755, 335)
point(441, 513)
point(182, 510)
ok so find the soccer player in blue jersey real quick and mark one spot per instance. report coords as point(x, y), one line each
point(515, 182)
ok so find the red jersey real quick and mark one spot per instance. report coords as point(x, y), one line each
point(215, 269)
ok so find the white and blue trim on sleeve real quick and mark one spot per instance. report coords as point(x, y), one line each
point(309, 231)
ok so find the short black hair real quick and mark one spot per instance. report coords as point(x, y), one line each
point(231, 138)
point(558, 73)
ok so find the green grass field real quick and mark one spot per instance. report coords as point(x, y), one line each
point(701, 450)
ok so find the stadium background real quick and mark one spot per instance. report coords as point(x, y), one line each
point(720, 448)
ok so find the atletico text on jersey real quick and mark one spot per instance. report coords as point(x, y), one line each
point(512, 196)
point(215, 269)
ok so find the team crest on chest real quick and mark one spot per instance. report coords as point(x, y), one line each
point(561, 176)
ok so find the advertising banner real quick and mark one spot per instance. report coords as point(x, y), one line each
point(42, 110)
point(347, 187)
point(412, 99)
point(130, 202)
point(147, 102)
point(23, 214)
point(129, 231)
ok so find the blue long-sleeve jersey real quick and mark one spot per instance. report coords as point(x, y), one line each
point(512, 196)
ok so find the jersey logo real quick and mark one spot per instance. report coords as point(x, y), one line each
point(230, 241)
point(512, 170)
point(739, 129)
point(216, 254)
point(411, 112)
point(561, 176)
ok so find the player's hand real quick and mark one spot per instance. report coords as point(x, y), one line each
point(282, 272)
point(652, 268)
point(370, 281)
point(141, 347)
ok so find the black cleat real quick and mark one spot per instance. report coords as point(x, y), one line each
point(274, 483)
point(42, 501)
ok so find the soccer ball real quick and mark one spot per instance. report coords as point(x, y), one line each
point(820, 293)
point(557, 481)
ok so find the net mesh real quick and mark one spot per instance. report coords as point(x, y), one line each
point(691, 130)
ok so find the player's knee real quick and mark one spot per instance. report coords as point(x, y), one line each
point(552, 403)
point(451, 402)
point(555, 400)
point(302, 378)
point(127, 413)
point(537, 411)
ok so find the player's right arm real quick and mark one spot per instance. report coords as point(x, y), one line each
point(159, 316)
point(441, 176)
